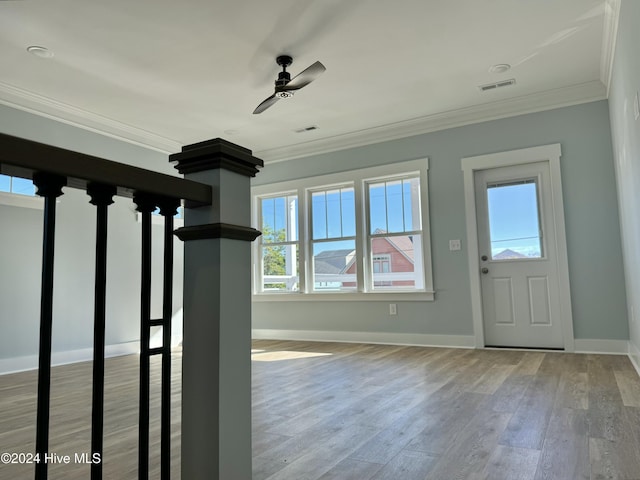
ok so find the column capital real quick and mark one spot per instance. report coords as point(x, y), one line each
point(216, 153)
point(145, 202)
point(217, 230)
point(49, 184)
point(101, 194)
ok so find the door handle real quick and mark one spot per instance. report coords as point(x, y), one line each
point(485, 270)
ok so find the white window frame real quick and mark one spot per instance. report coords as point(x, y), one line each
point(359, 180)
point(257, 256)
point(311, 242)
point(371, 236)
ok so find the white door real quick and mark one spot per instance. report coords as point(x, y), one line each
point(521, 303)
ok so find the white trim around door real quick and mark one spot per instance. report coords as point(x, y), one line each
point(545, 153)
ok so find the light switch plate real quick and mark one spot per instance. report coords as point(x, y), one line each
point(636, 107)
point(454, 245)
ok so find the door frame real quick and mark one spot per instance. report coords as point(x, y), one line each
point(544, 153)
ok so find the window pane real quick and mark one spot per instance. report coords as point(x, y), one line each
point(279, 219)
point(333, 213)
point(280, 268)
point(514, 226)
point(23, 186)
point(319, 214)
point(394, 206)
point(268, 221)
point(396, 262)
point(377, 208)
point(395, 212)
point(5, 183)
point(348, 212)
point(334, 266)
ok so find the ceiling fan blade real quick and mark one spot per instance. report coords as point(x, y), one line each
point(266, 104)
point(305, 77)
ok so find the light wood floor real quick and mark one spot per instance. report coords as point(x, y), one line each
point(352, 411)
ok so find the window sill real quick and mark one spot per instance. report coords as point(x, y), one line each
point(349, 297)
point(23, 201)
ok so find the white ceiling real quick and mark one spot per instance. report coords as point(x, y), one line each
point(164, 73)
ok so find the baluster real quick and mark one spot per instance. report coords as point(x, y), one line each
point(145, 205)
point(50, 187)
point(168, 208)
point(101, 197)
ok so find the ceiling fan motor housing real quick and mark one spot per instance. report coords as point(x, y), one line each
point(284, 60)
point(283, 79)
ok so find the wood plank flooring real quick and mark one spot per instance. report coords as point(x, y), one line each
point(369, 412)
point(403, 413)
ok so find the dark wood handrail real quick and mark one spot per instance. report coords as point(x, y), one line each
point(22, 158)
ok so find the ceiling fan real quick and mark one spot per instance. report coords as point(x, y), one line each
point(285, 85)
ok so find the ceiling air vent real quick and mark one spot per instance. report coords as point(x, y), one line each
point(306, 129)
point(493, 86)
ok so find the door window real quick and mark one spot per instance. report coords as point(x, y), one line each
point(514, 220)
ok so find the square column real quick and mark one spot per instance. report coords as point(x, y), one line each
point(216, 362)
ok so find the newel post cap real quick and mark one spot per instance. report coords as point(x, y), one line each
point(216, 153)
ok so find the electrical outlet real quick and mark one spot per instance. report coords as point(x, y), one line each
point(393, 309)
point(454, 245)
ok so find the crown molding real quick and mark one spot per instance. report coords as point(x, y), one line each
point(536, 102)
point(561, 97)
point(40, 105)
point(609, 36)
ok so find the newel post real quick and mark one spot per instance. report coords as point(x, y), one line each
point(216, 363)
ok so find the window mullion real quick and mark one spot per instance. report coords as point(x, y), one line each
point(386, 206)
point(326, 214)
point(340, 210)
point(362, 221)
point(257, 249)
point(304, 233)
point(404, 225)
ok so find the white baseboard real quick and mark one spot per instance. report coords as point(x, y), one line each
point(415, 339)
point(617, 347)
point(30, 362)
point(634, 356)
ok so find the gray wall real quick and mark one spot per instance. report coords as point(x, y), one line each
point(625, 85)
point(40, 129)
point(591, 213)
point(21, 246)
point(595, 259)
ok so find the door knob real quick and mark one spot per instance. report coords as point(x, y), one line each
point(484, 258)
point(485, 270)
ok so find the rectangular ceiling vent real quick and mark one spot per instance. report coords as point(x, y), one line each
point(493, 86)
point(306, 129)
